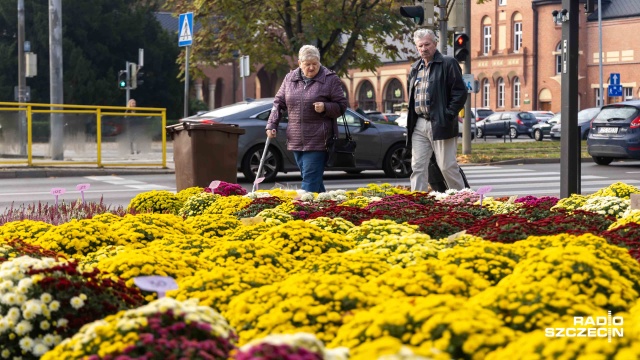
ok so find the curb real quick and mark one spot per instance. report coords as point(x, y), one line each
point(18, 173)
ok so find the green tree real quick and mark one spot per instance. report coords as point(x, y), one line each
point(99, 36)
point(348, 33)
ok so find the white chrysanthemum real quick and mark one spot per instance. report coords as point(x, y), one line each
point(13, 314)
point(32, 305)
point(54, 305)
point(44, 325)
point(26, 343)
point(25, 283)
point(62, 322)
point(82, 296)
point(9, 298)
point(49, 340)
point(4, 325)
point(76, 302)
point(5, 285)
point(23, 328)
point(46, 298)
point(5, 354)
point(40, 349)
point(307, 197)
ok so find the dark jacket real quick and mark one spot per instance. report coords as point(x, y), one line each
point(448, 95)
point(308, 130)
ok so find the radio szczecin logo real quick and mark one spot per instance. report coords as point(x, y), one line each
point(590, 326)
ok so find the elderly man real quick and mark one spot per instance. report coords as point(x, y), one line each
point(436, 95)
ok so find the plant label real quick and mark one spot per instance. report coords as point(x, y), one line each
point(159, 284)
point(214, 184)
point(484, 190)
point(83, 187)
point(58, 191)
point(251, 220)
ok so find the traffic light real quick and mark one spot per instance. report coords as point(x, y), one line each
point(461, 46)
point(122, 79)
point(134, 75)
point(414, 12)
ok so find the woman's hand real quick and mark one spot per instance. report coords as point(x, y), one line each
point(319, 107)
point(271, 133)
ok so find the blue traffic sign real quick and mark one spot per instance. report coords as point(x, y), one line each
point(614, 90)
point(614, 79)
point(185, 29)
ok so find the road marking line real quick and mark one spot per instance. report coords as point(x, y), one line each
point(103, 178)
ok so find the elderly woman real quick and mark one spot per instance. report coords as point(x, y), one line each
point(313, 97)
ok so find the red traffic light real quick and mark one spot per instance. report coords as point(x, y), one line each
point(461, 46)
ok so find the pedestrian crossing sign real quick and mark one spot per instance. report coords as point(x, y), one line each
point(185, 29)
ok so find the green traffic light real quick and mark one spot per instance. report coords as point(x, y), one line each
point(123, 84)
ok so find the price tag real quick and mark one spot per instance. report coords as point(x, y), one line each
point(82, 188)
point(57, 192)
point(251, 220)
point(635, 201)
point(159, 284)
point(214, 184)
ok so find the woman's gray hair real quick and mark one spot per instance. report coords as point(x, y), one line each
point(423, 33)
point(309, 52)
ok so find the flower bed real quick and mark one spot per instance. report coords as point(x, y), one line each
point(374, 272)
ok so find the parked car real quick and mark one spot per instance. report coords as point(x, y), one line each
point(480, 113)
point(543, 128)
point(584, 120)
point(615, 133)
point(542, 115)
point(509, 123)
point(380, 146)
point(378, 116)
point(402, 121)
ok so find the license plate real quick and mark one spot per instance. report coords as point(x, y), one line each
point(608, 130)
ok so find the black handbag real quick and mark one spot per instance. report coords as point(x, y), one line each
point(341, 152)
point(436, 179)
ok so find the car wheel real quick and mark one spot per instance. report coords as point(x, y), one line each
point(513, 133)
point(479, 133)
point(538, 135)
point(601, 160)
point(251, 162)
point(397, 161)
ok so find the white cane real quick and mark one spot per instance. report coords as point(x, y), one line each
point(264, 156)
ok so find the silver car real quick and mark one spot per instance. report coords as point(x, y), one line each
point(379, 146)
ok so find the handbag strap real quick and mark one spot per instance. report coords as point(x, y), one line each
point(346, 128)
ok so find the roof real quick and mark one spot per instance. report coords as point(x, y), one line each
point(615, 9)
point(169, 22)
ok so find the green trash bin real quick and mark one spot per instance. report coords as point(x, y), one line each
point(204, 152)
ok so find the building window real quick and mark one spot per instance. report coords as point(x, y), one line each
point(598, 98)
point(502, 2)
point(559, 59)
point(485, 93)
point(367, 96)
point(516, 92)
point(501, 93)
point(486, 49)
point(517, 36)
point(628, 93)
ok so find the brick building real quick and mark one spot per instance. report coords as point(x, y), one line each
point(516, 53)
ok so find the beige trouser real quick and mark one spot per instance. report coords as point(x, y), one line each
point(423, 146)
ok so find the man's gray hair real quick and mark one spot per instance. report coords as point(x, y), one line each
point(423, 33)
point(309, 52)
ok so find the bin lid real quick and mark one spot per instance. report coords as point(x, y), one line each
point(228, 128)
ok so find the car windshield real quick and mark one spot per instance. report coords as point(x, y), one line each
point(616, 112)
point(526, 116)
point(587, 114)
point(232, 109)
point(484, 113)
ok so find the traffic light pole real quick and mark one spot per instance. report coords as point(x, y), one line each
point(442, 23)
point(128, 92)
point(570, 147)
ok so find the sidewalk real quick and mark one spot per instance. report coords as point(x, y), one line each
point(18, 171)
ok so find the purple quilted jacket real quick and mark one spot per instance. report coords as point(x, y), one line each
point(308, 130)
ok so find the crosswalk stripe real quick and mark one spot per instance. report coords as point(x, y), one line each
point(475, 176)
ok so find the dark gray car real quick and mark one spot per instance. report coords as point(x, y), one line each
point(379, 146)
point(508, 123)
point(584, 122)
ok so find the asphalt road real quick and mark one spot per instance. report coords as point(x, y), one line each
point(505, 180)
